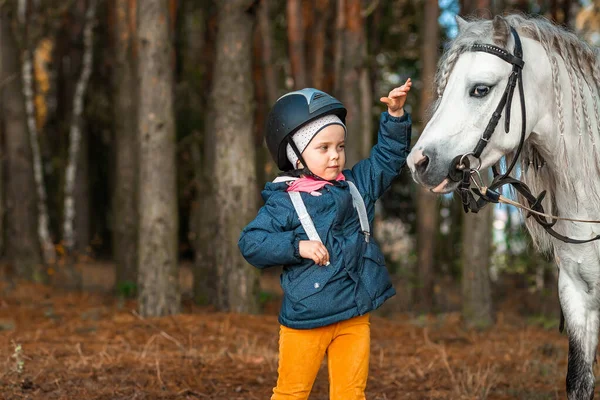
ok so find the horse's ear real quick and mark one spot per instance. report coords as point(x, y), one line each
point(501, 30)
point(461, 23)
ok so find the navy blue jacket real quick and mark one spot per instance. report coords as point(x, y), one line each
point(356, 281)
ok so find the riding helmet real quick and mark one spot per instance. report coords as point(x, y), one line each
point(291, 112)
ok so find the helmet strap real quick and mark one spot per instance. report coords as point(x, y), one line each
point(304, 170)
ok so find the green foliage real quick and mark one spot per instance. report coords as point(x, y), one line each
point(478, 324)
point(201, 300)
point(127, 289)
point(544, 322)
point(265, 297)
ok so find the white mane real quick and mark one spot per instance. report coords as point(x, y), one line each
point(576, 110)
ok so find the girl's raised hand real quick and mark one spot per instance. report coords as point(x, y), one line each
point(396, 99)
point(314, 250)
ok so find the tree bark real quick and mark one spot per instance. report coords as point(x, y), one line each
point(23, 248)
point(319, 39)
point(158, 224)
point(264, 167)
point(476, 247)
point(198, 56)
point(234, 177)
point(204, 220)
point(81, 194)
point(566, 12)
point(427, 228)
point(295, 29)
point(3, 161)
point(366, 105)
point(427, 206)
point(308, 21)
point(266, 35)
point(124, 198)
point(266, 88)
point(338, 55)
point(73, 162)
point(352, 67)
point(45, 239)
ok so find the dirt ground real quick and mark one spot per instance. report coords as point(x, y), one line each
point(58, 344)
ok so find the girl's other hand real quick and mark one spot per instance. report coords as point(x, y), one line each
point(396, 99)
point(314, 250)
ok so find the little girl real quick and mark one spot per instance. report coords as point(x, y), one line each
point(333, 281)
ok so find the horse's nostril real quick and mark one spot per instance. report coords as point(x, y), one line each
point(422, 164)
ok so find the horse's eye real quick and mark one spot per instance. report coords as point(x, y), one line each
point(479, 91)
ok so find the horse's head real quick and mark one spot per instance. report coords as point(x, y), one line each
point(470, 85)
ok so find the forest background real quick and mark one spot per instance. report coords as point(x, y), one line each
point(132, 140)
point(132, 155)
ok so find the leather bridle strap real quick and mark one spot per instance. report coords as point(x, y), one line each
point(535, 203)
point(506, 100)
point(516, 77)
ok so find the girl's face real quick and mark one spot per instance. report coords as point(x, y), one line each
point(325, 155)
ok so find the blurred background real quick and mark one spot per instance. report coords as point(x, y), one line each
point(133, 154)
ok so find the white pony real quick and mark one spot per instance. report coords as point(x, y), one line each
point(560, 154)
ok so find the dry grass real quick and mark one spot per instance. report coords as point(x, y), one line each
point(84, 346)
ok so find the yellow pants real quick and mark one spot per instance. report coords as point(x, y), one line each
point(301, 352)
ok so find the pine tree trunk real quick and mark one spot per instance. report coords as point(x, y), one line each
point(81, 194)
point(264, 167)
point(566, 13)
point(266, 88)
point(43, 229)
point(476, 247)
point(352, 66)
point(198, 59)
point(318, 42)
point(124, 198)
point(427, 228)
point(338, 55)
point(234, 177)
point(69, 233)
point(295, 30)
point(266, 35)
point(3, 196)
point(158, 223)
point(204, 220)
point(308, 22)
point(366, 105)
point(427, 206)
point(23, 248)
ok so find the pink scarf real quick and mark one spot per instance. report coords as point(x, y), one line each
point(311, 185)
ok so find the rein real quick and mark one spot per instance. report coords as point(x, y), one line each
point(461, 171)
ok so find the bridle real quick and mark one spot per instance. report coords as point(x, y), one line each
point(461, 171)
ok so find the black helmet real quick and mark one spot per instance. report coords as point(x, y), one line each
point(291, 112)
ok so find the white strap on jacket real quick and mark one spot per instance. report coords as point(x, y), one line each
point(305, 219)
point(359, 205)
point(309, 226)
